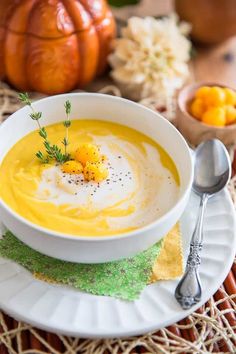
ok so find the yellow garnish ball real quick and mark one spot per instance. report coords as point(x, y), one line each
point(202, 92)
point(87, 153)
point(95, 171)
point(72, 167)
point(214, 116)
point(197, 108)
point(230, 97)
point(215, 96)
point(230, 114)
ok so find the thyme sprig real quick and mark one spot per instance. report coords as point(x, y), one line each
point(67, 124)
point(52, 150)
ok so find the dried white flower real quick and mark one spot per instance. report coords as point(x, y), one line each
point(152, 55)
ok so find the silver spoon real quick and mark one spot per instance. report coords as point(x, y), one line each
point(212, 171)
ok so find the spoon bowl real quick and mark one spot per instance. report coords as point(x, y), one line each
point(212, 169)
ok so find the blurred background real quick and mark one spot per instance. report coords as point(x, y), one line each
point(144, 50)
point(213, 29)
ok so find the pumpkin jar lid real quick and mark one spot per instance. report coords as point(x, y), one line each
point(51, 18)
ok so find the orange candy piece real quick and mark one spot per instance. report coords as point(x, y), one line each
point(72, 167)
point(95, 171)
point(215, 97)
point(197, 108)
point(202, 92)
point(230, 97)
point(87, 153)
point(215, 116)
point(230, 114)
point(214, 105)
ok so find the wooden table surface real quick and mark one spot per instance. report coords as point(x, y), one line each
point(216, 64)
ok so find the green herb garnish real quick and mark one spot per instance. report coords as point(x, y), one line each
point(52, 151)
point(67, 124)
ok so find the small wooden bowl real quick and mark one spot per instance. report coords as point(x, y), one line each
point(192, 129)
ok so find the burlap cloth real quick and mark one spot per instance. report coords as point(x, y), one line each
point(211, 329)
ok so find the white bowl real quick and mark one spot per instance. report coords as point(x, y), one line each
point(102, 107)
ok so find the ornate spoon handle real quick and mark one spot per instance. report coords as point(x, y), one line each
point(188, 292)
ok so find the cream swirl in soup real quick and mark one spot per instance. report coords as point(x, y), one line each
point(142, 182)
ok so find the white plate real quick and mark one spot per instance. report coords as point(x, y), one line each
point(70, 312)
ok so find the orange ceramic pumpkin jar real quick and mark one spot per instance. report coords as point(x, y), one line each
point(53, 46)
